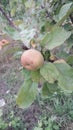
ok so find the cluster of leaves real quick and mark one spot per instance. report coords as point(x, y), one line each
point(46, 24)
point(12, 7)
point(52, 76)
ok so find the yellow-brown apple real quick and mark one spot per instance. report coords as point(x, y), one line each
point(32, 59)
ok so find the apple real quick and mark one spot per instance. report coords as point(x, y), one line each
point(32, 59)
point(60, 61)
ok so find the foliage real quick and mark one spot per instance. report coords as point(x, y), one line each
point(46, 26)
point(30, 88)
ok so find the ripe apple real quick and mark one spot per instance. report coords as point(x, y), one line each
point(60, 61)
point(32, 59)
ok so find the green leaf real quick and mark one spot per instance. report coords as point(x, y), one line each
point(29, 4)
point(69, 59)
point(49, 89)
point(65, 78)
point(26, 73)
point(62, 54)
point(13, 11)
point(27, 94)
point(55, 38)
point(71, 114)
point(49, 72)
point(12, 32)
point(35, 75)
point(48, 128)
point(63, 11)
point(37, 128)
point(70, 42)
point(26, 35)
point(56, 127)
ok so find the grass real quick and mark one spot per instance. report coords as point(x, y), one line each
point(57, 112)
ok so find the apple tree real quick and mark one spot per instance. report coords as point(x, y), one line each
point(45, 26)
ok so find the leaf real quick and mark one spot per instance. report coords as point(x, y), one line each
point(60, 61)
point(27, 94)
point(49, 72)
point(63, 11)
point(55, 38)
point(29, 4)
point(70, 42)
point(18, 22)
point(13, 11)
point(26, 35)
point(65, 78)
point(26, 73)
point(49, 128)
point(62, 54)
point(37, 128)
point(49, 89)
point(12, 32)
point(35, 75)
point(69, 59)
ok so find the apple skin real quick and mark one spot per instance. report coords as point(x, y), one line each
point(60, 61)
point(32, 59)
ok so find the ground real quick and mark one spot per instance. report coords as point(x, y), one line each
point(11, 78)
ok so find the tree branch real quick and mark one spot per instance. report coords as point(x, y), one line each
point(8, 19)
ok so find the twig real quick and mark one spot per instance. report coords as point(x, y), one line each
point(8, 19)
